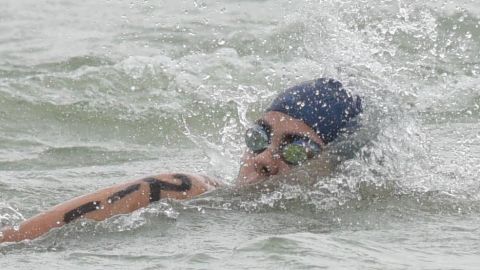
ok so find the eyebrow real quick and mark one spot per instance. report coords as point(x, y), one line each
point(288, 136)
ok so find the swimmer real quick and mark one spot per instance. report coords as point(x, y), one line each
point(293, 131)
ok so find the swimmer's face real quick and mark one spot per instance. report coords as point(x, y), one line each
point(291, 143)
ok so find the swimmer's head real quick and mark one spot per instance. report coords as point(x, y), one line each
point(323, 104)
point(296, 128)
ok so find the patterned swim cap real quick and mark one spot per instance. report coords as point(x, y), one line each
point(323, 104)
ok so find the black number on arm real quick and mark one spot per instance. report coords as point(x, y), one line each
point(122, 193)
point(157, 185)
point(80, 211)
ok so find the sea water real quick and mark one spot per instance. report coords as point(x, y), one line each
point(93, 93)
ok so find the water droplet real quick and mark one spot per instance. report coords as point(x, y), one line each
point(200, 5)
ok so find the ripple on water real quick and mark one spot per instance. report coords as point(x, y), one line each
point(89, 98)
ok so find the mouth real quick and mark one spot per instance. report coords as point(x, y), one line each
point(249, 179)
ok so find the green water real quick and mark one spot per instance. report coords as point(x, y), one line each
point(93, 93)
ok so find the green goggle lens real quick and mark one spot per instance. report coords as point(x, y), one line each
point(294, 153)
point(299, 151)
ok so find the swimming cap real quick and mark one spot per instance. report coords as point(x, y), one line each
point(323, 104)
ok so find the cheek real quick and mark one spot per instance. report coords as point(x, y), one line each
point(284, 168)
point(247, 166)
point(246, 161)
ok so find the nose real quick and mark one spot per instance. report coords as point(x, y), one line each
point(266, 163)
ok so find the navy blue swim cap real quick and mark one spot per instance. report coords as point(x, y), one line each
point(323, 104)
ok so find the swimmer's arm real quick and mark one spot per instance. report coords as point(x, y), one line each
point(119, 199)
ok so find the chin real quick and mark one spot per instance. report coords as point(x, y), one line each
point(249, 179)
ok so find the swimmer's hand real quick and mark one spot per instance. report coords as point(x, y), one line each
point(119, 199)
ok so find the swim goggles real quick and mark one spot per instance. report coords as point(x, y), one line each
point(294, 149)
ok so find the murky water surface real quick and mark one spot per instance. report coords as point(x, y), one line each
point(98, 92)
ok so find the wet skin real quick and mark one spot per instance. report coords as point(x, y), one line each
point(129, 196)
point(258, 167)
point(115, 200)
